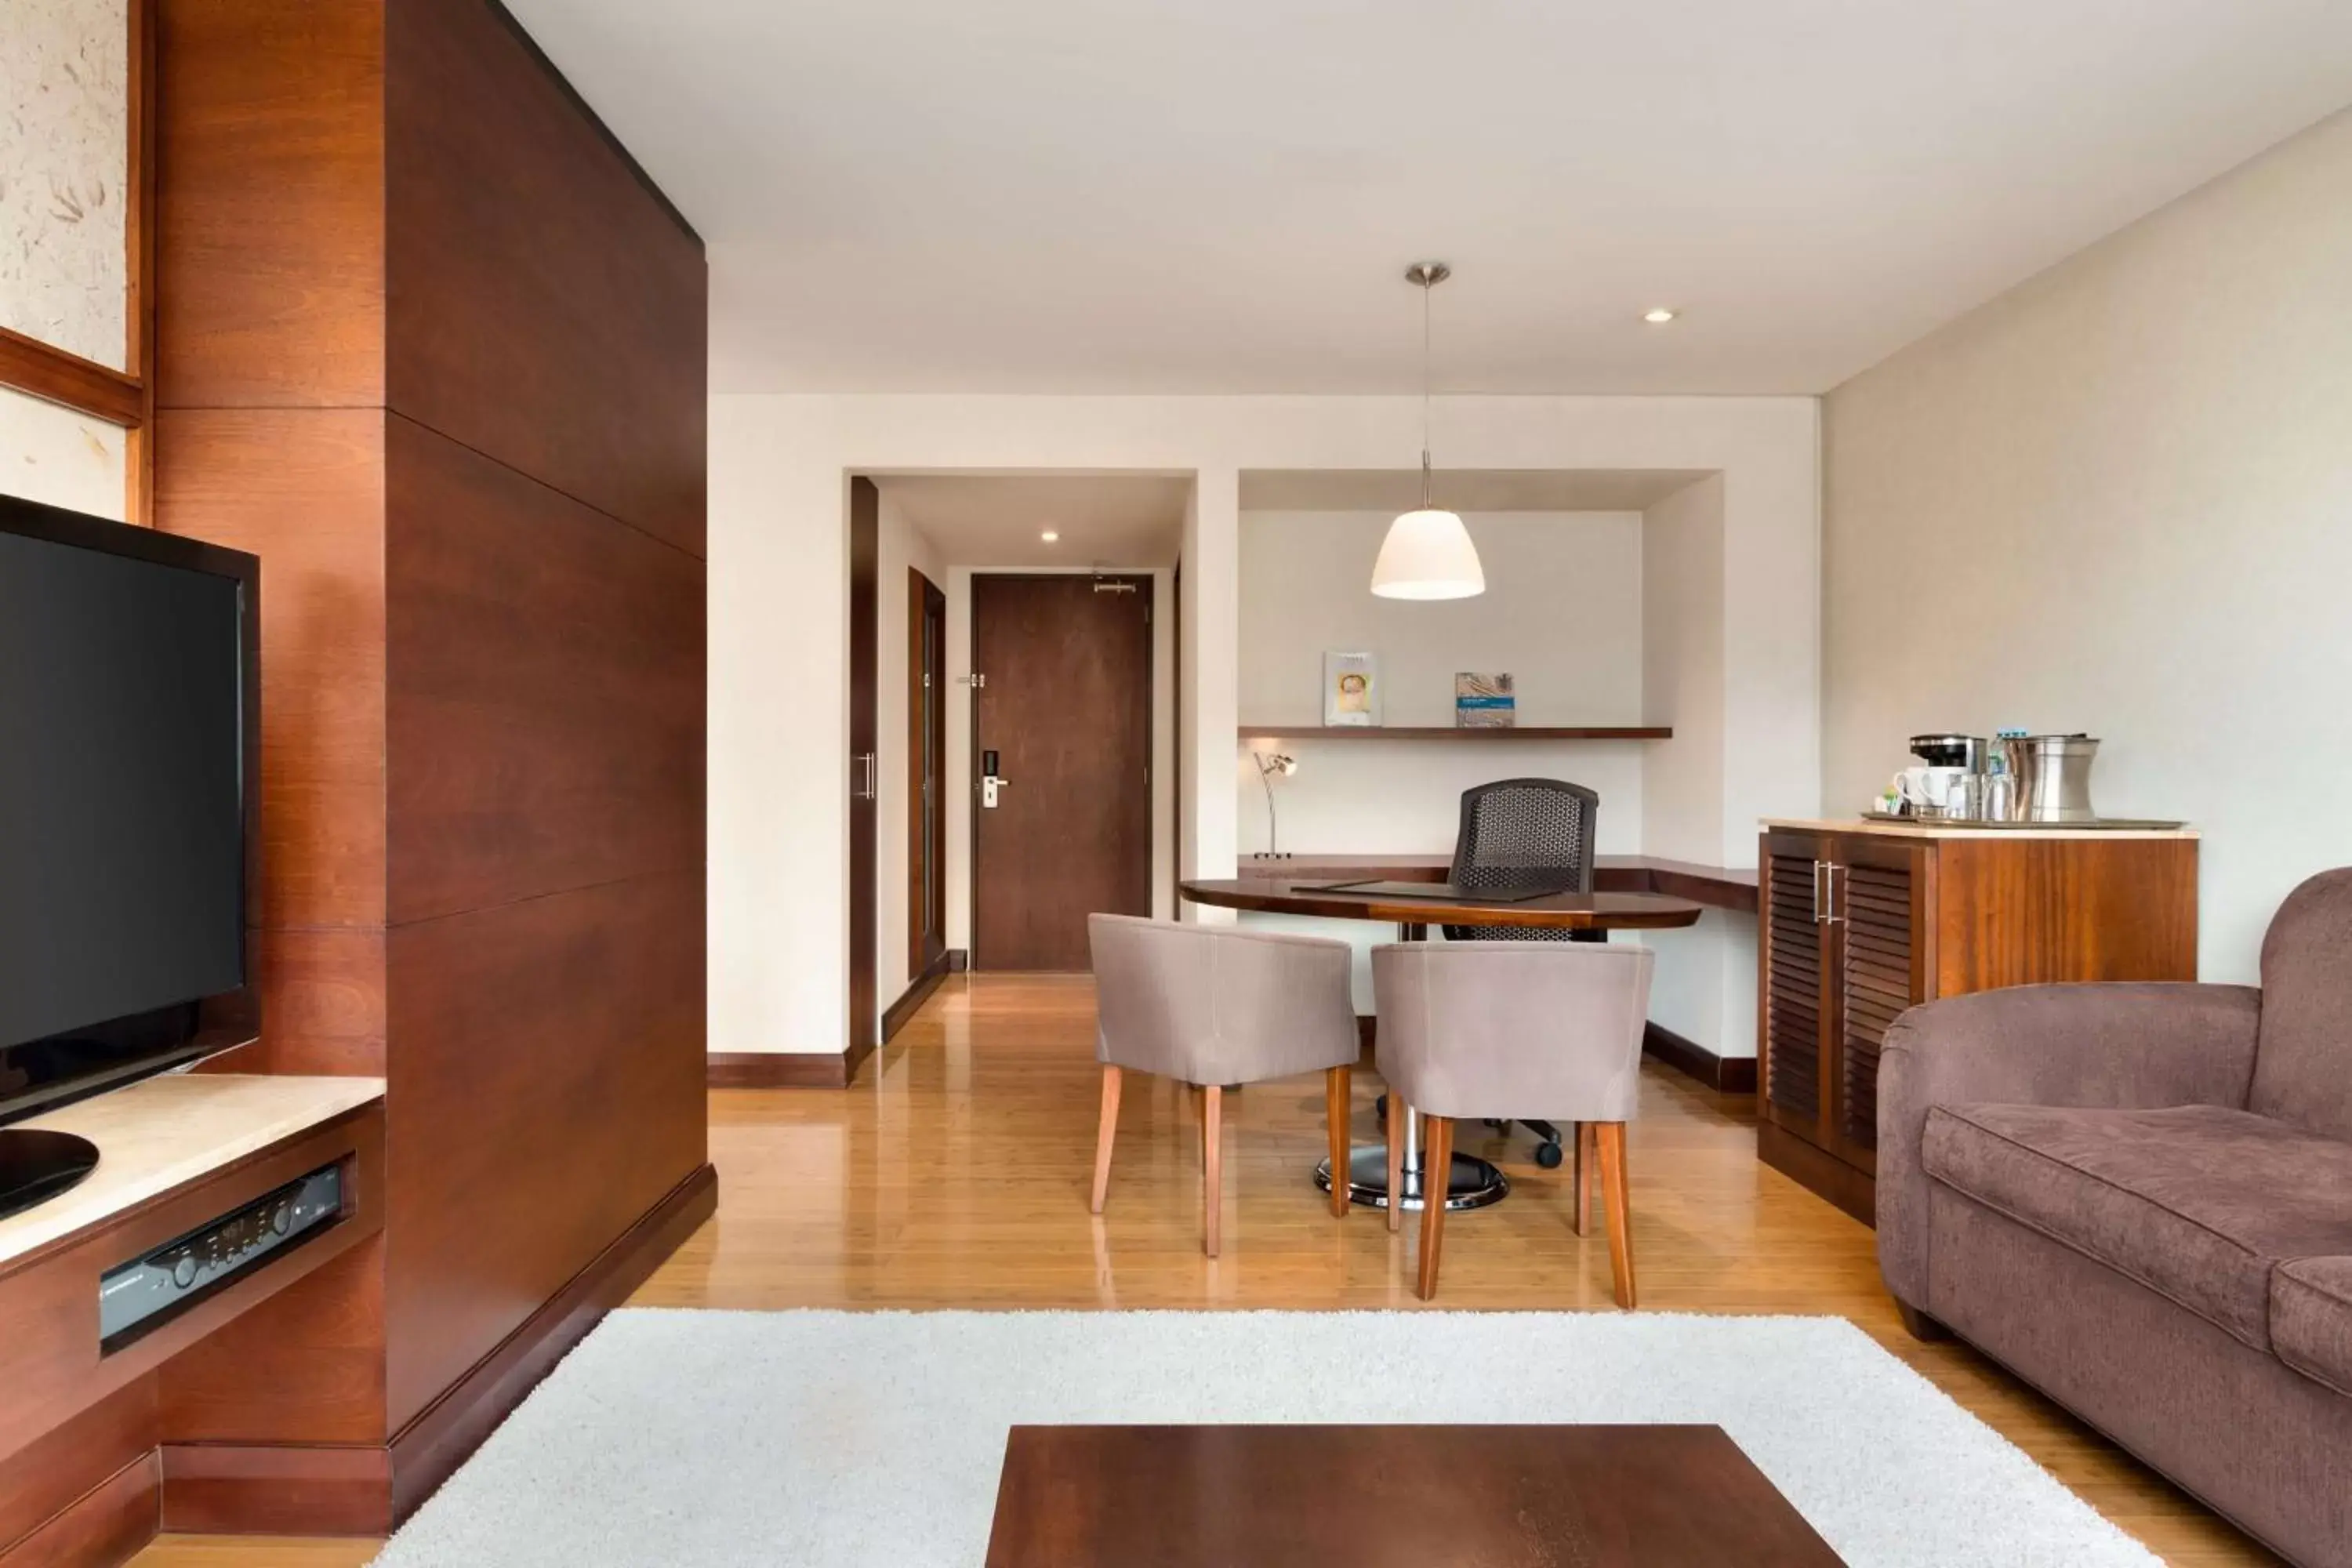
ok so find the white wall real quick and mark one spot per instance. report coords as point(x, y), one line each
point(2119, 499)
point(779, 600)
point(1683, 594)
point(1563, 612)
point(1704, 986)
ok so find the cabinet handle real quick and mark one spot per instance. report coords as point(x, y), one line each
point(1829, 884)
point(1819, 901)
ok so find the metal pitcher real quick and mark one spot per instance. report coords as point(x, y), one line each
point(2053, 776)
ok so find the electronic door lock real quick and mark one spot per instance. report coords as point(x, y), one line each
point(990, 780)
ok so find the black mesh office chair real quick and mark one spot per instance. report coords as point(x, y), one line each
point(1524, 833)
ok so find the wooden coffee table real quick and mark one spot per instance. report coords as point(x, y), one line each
point(1390, 1497)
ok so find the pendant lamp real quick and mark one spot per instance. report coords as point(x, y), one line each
point(1427, 553)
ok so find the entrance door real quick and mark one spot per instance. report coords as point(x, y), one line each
point(927, 679)
point(1064, 713)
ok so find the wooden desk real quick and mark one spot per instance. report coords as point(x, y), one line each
point(1718, 887)
point(1556, 911)
point(80, 1471)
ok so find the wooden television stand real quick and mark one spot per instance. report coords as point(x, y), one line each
point(85, 1427)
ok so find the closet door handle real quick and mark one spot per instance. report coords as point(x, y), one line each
point(1829, 915)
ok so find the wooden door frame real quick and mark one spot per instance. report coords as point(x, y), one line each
point(863, 980)
point(1147, 583)
point(923, 598)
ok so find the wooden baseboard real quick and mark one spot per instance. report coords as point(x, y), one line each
point(1725, 1075)
point(438, 1439)
point(894, 1016)
point(105, 1526)
point(1818, 1171)
point(297, 1490)
point(785, 1069)
point(289, 1488)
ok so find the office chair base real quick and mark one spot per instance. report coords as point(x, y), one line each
point(1476, 1182)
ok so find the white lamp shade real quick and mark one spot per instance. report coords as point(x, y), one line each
point(1428, 555)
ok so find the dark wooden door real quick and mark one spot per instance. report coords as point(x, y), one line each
point(865, 728)
point(1065, 709)
point(927, 679)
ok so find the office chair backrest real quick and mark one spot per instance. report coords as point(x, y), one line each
point(1520, 833)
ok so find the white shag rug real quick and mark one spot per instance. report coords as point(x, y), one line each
point(845, 1438)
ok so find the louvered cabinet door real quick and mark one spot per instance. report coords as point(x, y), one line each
point(1877, 904)
point(1792, 1089)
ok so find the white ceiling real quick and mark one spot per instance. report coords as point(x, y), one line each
point(1104, 520)
point(1220, 196)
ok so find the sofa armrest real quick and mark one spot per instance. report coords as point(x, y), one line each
point(2113, 1045)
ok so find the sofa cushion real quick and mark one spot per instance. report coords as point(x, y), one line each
point(2195, 1201)
point(2303, 1067)
point(2311, 1318)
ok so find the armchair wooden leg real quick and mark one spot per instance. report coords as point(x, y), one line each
point(1614, 1197)
point(1580, 1186)
point(1106, 1130)
point(1397, 1111)
point(1436, 1168)
point(1212, 1166)
point(1338, 1087)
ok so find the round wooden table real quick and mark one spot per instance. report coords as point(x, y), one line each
point(1474, 1182)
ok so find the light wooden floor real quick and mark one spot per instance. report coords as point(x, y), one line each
point(954, 1173)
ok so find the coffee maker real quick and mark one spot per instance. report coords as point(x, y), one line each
point(2017, 777)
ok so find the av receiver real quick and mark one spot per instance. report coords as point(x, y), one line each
point(131, 1297)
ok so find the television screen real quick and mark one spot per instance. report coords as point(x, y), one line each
point(123, 715)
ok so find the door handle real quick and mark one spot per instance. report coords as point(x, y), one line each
point(869, 777)
point(988, 784)
point(1829, 915)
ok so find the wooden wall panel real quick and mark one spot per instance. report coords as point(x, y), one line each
point(322, 1003)
point(547, 712)
point(304, 1366)
point(270, 223)
point(106, 1524)
point(429, 348)
point(2019, 912)
point(546, 1091)
point(41, 1480)
point(304, 490)
point(545, 307)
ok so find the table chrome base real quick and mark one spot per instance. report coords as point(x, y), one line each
point(1476, 1182)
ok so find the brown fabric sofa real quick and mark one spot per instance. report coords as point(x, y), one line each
point(2139, 1199)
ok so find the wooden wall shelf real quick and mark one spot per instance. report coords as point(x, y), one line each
point(1404, 732)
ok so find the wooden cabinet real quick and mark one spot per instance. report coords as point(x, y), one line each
point(1855, 924)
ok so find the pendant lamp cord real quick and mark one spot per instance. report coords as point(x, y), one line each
point(1425, 289)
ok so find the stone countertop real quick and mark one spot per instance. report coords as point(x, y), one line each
point(163, 1132)
point(1966, 830)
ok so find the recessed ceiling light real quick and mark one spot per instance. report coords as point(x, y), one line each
point(1049, 536)
point(1658, 316)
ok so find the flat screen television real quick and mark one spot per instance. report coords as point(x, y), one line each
point(129, 734)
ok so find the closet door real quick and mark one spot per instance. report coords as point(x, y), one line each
point(1798, 1000)
point(1879, 937)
